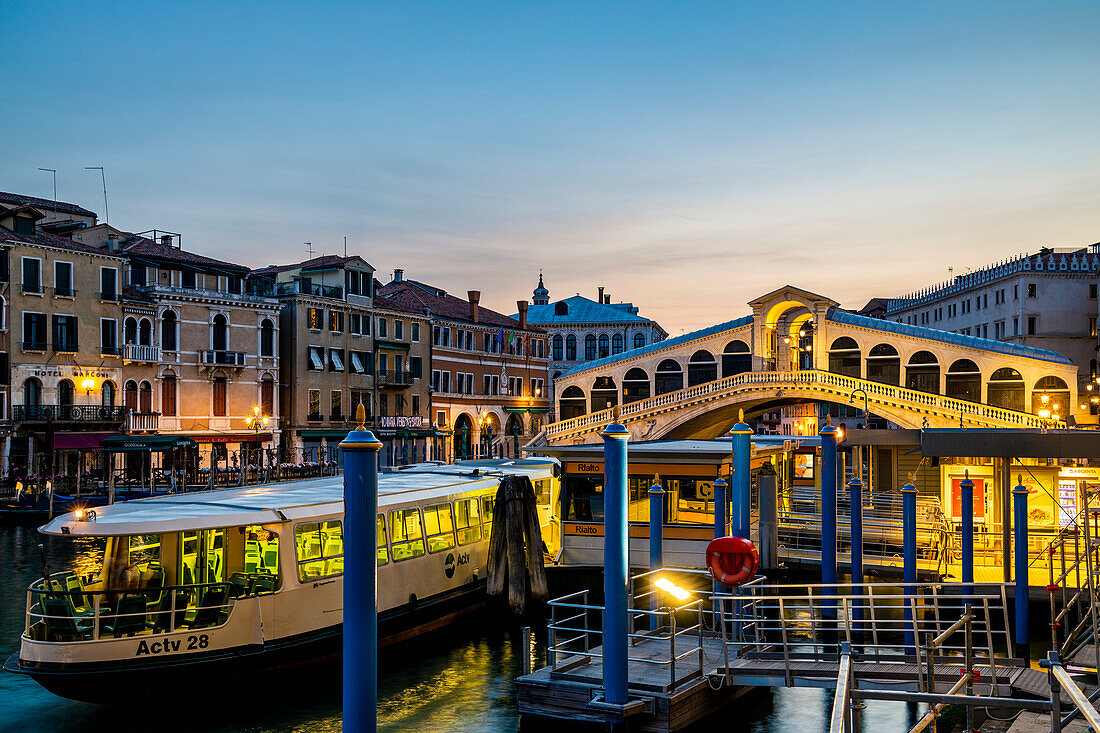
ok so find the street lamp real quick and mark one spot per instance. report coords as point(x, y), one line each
point(852, 401)
point(257, 421)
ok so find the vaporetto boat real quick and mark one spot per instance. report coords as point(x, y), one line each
point(254, 576)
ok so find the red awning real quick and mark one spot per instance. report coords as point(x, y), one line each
point(230, 437)
point(74, 441)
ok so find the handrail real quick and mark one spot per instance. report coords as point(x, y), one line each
point(1061, 681)
point(840, 720)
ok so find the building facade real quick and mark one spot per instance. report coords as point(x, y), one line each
point(488, 371)
point(580, 329)
point(1047, 300)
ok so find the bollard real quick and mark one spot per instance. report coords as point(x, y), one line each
point(741, 487)
point(526, 650)
point(909, 558)
point(828, 514)
point(616, 563)
point(1023, 637)
point(720, 504)
point(360, 685)
point(855, 499)
point(656, 545)
point(966, 492)
point(769, 518)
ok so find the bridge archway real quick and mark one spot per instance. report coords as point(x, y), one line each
point(884, 365)
point(844, 357)
point(922, 373)
point(1051, 395)
point(963, 381)
point(572, 403)
point(605, 394)
point(669, 377)
point(736, 358)
point(1006, 389)
point(702, 368)
point(635, 385)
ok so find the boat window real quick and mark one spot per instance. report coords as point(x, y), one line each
point(440, 527)
point(202, 557)
point(383, 552)
point(261, 551)
point(468, 520)
point(405, 534)
point(144, 550)
point(320, 549)
point(487, 504)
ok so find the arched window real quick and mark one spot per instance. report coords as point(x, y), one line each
point(219, 336)
point(702, 368)
point(589, 347)
point(145, 332)
point(570, 348)
point(145, 397)
point(267, 396)
point(669, 377)
point(1051, 396)
point(32, 392)
point(635, 385)
point(558, 347)
point(572, 403)
point(617, 344)
point(923, 372)
point(129, 331)
point(639, 340)
point(884, 365)
point(108, 397)
point(168, 395)
point(218, 385)
point(604, 394)
point(130, 395)
point(1006, 389)
point(605, 346)
point(65, 392)
point(844, 357)
point(736, 358)
point(963, 381)
point(463, 435)
point(168, 331)
point(267, 338)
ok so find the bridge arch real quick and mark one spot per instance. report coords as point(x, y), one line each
point(1051, 395)
point(1006, 389)
point(963, 381)
point(669, 377)
point(702, 368)
point(572, 403)
point(844, 357)
point(604, 394)
point(636, 385)
point(884, 365)
point(736, 358)
point(922, 373)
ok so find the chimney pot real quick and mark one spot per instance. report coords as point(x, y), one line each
point(522, 305)
point(475, 298)
point(600, 299)
point(607, 299)
point(166, 240)
point(398, 275)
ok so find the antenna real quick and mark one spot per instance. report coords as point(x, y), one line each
point(51, 170)
point(309, 246)
point(345, 246)
point(102, 177)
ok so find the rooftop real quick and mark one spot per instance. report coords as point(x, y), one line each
point(138, 246)
point(47, 239)
point(583, 310)
point(321, 262)
point(413, 296)
point(19, 199)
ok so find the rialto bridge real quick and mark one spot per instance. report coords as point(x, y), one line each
point(798, 347)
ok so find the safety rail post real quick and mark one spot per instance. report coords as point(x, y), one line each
point(656, 545)
point(741, 488)
point(360, 658)
point(1023, 634)
point(672, 646)
point(526, 635)
point(1052, 588)
point(616, 563)
point(828, 516)
point(930, 645)
point(855, 499)
point(966, 490)
point(841, 719)
point(1052, 662)
point(909, 555)
point(968, 662)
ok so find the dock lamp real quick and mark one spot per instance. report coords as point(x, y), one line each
point(672, 589)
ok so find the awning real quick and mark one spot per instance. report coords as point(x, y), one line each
point(76, 441)
point(357, 363)
point(403, 433)
point(231, 437)
point(316, 359)
point(527, 409)
point(977, 443)
point(327, 434)
point(391, 344)
point(128, 443)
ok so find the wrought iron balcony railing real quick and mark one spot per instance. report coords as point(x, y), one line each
point(33, 345)
point(387, 378)
point(68, 413)
point(222, 358)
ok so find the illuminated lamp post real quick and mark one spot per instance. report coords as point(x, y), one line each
point(257, 421)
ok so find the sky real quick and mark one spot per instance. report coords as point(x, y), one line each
point(687, 156)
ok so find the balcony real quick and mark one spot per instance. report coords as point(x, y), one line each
point(64, 293)
point(297, 286)
point(314, 417)
point(109, 297)
point(142, 422)
point(31, 288)
point(140, 352)
point(68, 413)
point(109, 350)
point(66, 347)
point(387, 378)
point(32, 345)
point(214, 357)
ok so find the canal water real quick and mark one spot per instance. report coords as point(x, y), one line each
point(457, 681)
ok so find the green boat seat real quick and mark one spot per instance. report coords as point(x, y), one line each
point(61, 621)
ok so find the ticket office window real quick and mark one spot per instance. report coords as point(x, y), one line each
point(583, 500)
point(320, 549)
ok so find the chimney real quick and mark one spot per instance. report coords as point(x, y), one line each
point(474, 297)
point(112, 243)
point(607, 299)
point(166, 240)
point(600, 299)
point(398, 276)
point(522, 305)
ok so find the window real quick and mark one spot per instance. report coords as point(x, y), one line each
point(558, 347)
point(604, 348)
point(639, 340)
point(145, 403)
point(1092, 326)
point(1092, 290)
point(1015, 292)
point(468, 520)
point(267, 396)
point(360, 397)
point(267, 338)
point(398, 329)
point(337, 409)
point(187, 279)
point(315, 317)
point(137, 274)
point(63, 279)
point(108, 283)
point(415, 328)
point(491, 384)
point(65, 391)
point(1032, 290)
point(168, 331)
point(320, 549)
point(108, 336)
point(358, 362)
point(219, 333)
point(439, 527)
point(416, 369)
point(24, 225)
point(32, 275)
point(617, 344)
point(416, 404)
point(34, 331)
point(381, 328)
point(219, 396)
point(64, 333)
point(336, 360)
point(4, 272)
point(537, 387)
point(406, 537)
point(1032, 325)
point(314, 404)
point(356, 324)
point(168, 396)
point(570, 348)
point(487, 505)
point(316, 362)
point(235, 284)
point(336, 321)
point(380, 542)
point(589, 347)
point(1015, 325)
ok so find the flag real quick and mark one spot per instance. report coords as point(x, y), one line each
point(500, 336)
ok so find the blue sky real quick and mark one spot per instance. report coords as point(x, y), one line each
point(688, 156)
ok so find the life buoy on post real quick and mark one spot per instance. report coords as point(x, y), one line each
point(732, 560)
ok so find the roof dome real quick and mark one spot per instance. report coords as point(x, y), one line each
point(541, 294)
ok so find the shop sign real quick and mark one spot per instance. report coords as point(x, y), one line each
point(72, 372)
point(1079, 472)
point(402, 421)
point(979, 498)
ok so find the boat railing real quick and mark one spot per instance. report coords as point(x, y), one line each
point(67, 612)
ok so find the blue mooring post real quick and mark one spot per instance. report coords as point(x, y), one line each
point(909, 558)
point(828, 515)
point(616, 558)
point(855, 498)
point(656, 545)
point(720, 504)
point(966, 498)
point(1023, 635)
point(360, 578)
point(741, 487)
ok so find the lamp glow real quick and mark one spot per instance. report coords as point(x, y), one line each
point(672, 589)
point(88, 384)
point(79, 514)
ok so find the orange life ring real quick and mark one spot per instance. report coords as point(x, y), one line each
point(732, 560)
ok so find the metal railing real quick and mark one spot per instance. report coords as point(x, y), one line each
point(221, 357)
point(68, 413)
point(142, 422)
point(140, 352)
point(393, 378)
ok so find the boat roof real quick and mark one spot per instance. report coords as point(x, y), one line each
point(287, 501)
point(677, 451)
